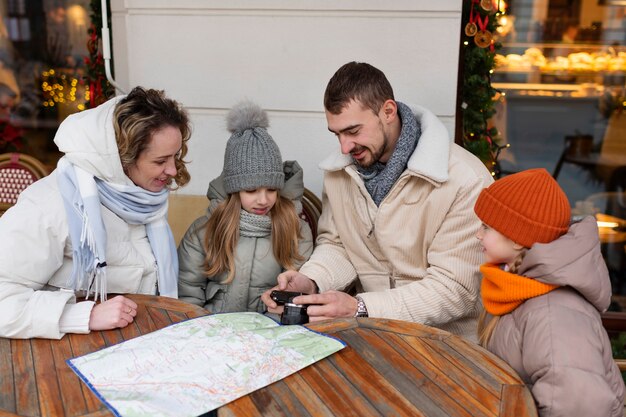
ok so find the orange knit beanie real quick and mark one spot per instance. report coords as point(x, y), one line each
point(527, 207)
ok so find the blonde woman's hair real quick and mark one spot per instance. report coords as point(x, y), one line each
point(138, 116)
point(222, 235)
point(486, 327)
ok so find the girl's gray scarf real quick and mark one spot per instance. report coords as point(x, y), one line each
point(379, 178)
point(253, 225)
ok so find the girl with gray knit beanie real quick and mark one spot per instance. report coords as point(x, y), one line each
point(252, 231)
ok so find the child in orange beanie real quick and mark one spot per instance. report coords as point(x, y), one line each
point(544, 286)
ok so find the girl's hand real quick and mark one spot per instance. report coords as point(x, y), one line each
point(116, 312)
point(288, 281)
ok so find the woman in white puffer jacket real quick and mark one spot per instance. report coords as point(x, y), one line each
point(98, 223)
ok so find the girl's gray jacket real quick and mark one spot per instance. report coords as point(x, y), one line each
point(556, 341)
point(255, 265)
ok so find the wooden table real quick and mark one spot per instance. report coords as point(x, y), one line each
point(36, 381)
point(388, 368)
point(393, 368)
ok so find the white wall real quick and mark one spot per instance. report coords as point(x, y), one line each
point(210, 54)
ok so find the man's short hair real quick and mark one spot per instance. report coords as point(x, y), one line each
point(357, 81)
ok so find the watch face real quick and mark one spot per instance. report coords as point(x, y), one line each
point(361, 310)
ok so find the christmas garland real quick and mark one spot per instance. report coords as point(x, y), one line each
point(478, 51)
point(99, 89)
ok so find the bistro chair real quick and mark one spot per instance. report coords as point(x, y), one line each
point(579, 150)
point(17, 171)
point(311, 211)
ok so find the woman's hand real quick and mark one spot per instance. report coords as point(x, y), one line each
point(117, 312)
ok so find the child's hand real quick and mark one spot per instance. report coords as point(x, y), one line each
point(288, 281)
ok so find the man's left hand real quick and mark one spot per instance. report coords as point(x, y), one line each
point(331, 304)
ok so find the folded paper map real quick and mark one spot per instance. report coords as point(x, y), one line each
point(198, 365)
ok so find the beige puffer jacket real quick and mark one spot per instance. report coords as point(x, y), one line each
point(556, 341)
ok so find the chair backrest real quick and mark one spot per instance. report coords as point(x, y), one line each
point(183, 210)
point(311, 210)
point(17, 171)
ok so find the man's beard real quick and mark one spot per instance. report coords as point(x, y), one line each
point(376, 155)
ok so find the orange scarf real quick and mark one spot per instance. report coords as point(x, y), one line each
point(503, 292)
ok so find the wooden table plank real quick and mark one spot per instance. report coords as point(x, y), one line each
point(305, 394)
point(475, 397)
point(516, 399)
point(384, 396)
point(7, 388)
point(338, 393)
point(73, 400)
point(243, 407)
point(82, 344)
point(469, 369)
point(24, 377)
point(287, 404)
point(431, 399)
point(47, 383)
point(487, 362)
point(159, 317)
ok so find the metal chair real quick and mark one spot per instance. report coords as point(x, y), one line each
point(17, 171)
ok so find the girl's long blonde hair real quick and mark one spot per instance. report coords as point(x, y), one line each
point(222, 235)
point(486, 327)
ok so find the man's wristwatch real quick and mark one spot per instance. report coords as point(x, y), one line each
point(361, 310)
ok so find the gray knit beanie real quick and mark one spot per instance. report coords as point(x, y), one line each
point(252, 158)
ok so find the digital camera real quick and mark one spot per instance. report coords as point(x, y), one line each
point(292, 313)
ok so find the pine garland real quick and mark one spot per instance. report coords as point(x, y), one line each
point(100, 90)
point(477, 104)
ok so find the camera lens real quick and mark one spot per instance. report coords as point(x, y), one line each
point(294, 314)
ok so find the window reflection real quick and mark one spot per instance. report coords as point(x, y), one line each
point(43, 46)
point(563, 70)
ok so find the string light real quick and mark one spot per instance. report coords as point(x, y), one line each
point(60, 89)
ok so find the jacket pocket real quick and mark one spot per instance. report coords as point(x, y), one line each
point(215, 297)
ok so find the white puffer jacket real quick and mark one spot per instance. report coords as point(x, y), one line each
point(35, 247)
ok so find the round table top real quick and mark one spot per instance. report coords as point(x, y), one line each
point(387, 368)
point(397, 368)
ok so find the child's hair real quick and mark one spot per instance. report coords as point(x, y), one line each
point(222, 235)
point(486, 328)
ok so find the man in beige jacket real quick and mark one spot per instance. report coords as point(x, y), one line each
point(397, 214)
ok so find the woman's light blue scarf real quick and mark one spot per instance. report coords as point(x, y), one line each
point(83, 195)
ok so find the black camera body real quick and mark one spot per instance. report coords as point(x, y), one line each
point(292, 313)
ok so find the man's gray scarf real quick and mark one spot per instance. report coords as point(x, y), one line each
point(379, 178)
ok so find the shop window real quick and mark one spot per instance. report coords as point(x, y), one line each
point(562, 67)
point(43, 45)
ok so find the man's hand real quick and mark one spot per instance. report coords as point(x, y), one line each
point(288, 281)
point(111, 314)
point(332, 304)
